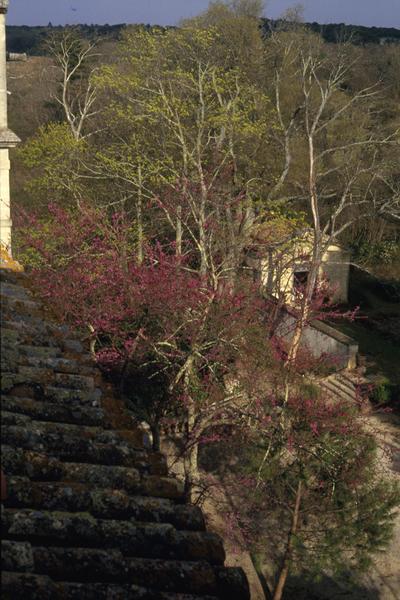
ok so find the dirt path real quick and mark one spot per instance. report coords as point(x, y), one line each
point(234, 557)
point(384, 576)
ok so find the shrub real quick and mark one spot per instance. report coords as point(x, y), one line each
point(381, 393)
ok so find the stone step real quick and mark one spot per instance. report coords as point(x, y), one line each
point(75, 345)
point(45, 411)
point(42, 467)
point(335, 391)
point(68, 397)
point(46, 376)
point(40, 352)
point(9, 359)
point(41, 587)
point(16, 296)
point(347, 390)
point(14, 419)
point(13, 290)
point(60, 365)
point(16, 385)
point(105, 503)
point(79, 444)
point(133, 437)
point(36, 466)
point(155, 540)
point(40, 429)
point(16, 556)
point(84, 564)
point(15, 277)
point(21, 306)
point(346, 381)
point(9, 336)
point(36, 332)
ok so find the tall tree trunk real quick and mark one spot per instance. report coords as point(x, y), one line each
point(285, 568)
point(297, 335)
point(178, 232)
point(306, 303)
point(155, 433)
point(316, 257)
point(232, 250)
point(202, 233)
point(203, 251)
point(191, 473)
point(191, 457)
point(139, 218)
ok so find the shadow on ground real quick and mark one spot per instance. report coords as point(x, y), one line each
point(326, 589)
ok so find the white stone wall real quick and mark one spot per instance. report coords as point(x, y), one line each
point(7, 139)
point(5, 220)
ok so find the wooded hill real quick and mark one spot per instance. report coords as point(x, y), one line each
point(23, 38)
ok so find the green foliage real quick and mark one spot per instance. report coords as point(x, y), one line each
point(309, 391)
point(381, 394)
point(54, 157)
point(334, 33)
point(23, 38)
point(346, 509)
point(386, 251)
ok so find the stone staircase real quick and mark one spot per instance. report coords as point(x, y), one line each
point(91, 511)
point(344, 385)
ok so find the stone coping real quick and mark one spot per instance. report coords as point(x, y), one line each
point(334, 333)
point(8, 139)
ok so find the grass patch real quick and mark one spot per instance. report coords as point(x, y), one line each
point(384, 353)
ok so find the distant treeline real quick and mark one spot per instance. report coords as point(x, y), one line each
point(23, 38)
point(337, 32)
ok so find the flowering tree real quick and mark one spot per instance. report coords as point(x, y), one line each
point(157, 320)
point(205, 358)
point(307, 497)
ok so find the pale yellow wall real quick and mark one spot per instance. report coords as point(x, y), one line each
point(277, 270)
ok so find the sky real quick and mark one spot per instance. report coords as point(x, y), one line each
point(381, 13)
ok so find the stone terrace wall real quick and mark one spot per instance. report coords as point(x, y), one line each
point(322, 339)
